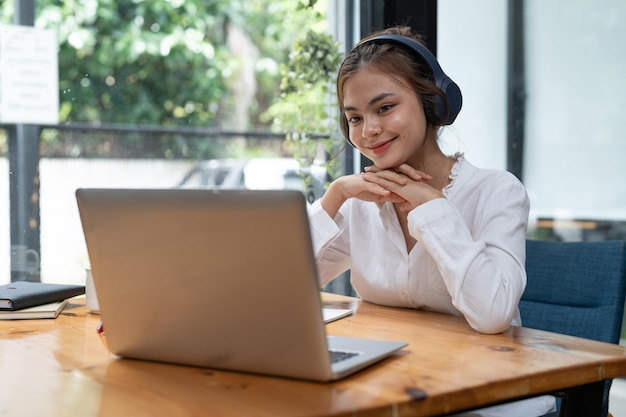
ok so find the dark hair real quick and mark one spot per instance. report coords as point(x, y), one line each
point(396, 61)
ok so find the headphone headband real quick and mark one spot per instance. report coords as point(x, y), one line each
point(445, 115)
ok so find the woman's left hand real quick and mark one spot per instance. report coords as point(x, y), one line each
point(406, 182)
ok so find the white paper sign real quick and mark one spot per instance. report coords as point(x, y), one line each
point(29, 75)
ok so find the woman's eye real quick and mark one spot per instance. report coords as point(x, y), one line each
point(353, 119)
point(384, 108)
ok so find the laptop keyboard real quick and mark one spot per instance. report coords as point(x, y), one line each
point(338, 356)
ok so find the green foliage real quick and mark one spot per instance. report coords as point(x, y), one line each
point(307, 97)
point(144, 62)
point(167, 62)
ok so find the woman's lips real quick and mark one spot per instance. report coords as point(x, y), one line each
point(378, 149)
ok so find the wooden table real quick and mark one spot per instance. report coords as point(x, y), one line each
point(62, 368)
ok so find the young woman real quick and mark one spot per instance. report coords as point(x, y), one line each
point(419, 228)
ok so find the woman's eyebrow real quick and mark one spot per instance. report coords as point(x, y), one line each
point(373, 101)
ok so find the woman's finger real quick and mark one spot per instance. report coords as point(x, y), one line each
point(413, 173)
point(371, 168)
point(387, 175)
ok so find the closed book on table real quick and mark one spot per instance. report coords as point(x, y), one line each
point(24, 294)
point(44, 311)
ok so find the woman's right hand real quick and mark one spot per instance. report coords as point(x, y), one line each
point(354, 186)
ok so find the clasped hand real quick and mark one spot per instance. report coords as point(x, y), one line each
point(404, 186)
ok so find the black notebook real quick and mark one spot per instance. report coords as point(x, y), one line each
point(24, 294)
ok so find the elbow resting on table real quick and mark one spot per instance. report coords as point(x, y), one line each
point(491, 327)
point(491, 320)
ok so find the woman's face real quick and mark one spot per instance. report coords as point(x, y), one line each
point(385, 117)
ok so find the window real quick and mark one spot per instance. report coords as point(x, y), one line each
point(575, 98)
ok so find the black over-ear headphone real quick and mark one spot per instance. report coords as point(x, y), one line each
point(443, 115)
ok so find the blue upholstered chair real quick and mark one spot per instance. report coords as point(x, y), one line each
point(576, 288)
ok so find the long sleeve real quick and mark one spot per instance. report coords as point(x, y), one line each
point(330, 243)
point(479, 251)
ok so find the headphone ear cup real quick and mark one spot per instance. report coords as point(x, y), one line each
point(431, 105)
point(455, 102)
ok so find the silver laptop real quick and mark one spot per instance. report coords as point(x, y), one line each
point(223, 279)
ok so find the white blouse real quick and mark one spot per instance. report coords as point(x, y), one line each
point(468, 260)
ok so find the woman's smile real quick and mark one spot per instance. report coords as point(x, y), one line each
point(380, 148)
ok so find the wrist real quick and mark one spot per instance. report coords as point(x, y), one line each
point(333, 199)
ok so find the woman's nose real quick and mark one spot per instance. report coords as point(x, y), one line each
point(371, 127)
